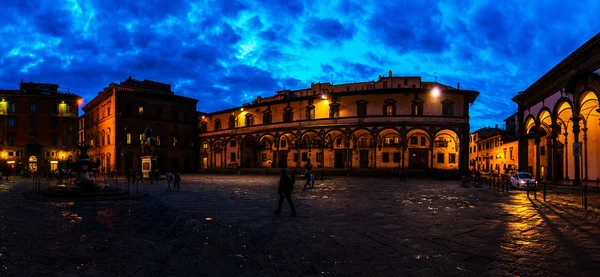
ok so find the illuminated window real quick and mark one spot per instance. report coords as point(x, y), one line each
point(141, 110)
point(129, 138)
point(205, 145)
point(452, 158)
point(174, 141)
point(141, 138)
point(389, 107)
point(158, 140)
point(417, 107)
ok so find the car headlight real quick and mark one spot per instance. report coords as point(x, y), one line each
point(522, 181)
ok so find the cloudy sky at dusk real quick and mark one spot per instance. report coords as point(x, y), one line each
point(227, 52)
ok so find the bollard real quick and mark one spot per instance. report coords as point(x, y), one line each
point(544, 191)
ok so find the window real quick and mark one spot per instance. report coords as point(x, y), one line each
point(385, 157)
point(232, 143)
point(396, 157)
point(283, 143)
point(54, 139)
point(103, 141)
point(423, 141)
point(295, 157)
point(249, 119)
point(389, 107)
point(417, 107)
point(361, 108)
point(319, 157)
point(159, 112)
point(440, 158)
point(264, 157)
point(54, 108)
point(158, 140)
point(10, 139)
point(11, 107)
point(32, 123)
point(108, 108)
point(12, 121)
point(288, 115)
point(128, 138)
point(267, 118)
point(414, 140)
point(205, 145)
point(310, 112)
point(452, 158)
point(405, 82)
point(232, 155)
point(384, 84)
point(204, 127)
point(448, 108)
point(231, 122)
point(69, 109)
point(141, 110)
point(54, 122)
point(108, 136)
point(338, 142)
point(32, 107)
point(217, 124)
point(334, 110)
point(511, 153)
point(304, 156)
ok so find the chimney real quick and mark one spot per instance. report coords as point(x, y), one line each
point(458, 86)
point(390, 74)
point(496, 126)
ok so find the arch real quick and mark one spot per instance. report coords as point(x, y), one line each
point(582, 82)
point(417, 130)
point(334, 130)
point(543, 112)
point(560, 104)
point(530, 122)
point(589, 105)
point(448, 132)
point(388, 132)
point(307, 132)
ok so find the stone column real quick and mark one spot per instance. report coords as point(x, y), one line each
point(566, 147)
point(537, 157)
point(577, 165)
point(555, 131)
point(585, 153)
point(523, 142)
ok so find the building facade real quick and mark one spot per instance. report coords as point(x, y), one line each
point(394, 122)
point(493, 150)
point(116, 118)
point(558, 116)
point(38, 127)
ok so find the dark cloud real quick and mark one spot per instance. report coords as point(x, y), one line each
point(228, 52)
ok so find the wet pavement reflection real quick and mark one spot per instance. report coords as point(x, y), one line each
point(221, 225)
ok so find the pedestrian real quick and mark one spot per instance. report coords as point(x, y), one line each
point(169, 177)
point(308, 174)
point(285, 188)
point(176, 181)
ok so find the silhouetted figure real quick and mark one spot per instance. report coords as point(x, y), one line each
point(169, 177)
point(285, 188)
point(176, 181)
point(308, 175)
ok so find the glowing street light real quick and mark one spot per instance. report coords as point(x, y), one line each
point(323, 96)
point(435, 92)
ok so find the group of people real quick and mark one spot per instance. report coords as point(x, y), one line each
point(286, 186)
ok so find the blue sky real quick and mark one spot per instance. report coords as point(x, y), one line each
point(227, 52)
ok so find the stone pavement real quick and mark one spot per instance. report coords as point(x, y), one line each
point(221, 225)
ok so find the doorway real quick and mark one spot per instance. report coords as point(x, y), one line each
point(338, 159)
point(205, 162)
point(418, 158)
point(364, 159)
point(33, 166)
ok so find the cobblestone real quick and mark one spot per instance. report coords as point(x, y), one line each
point(221, 225)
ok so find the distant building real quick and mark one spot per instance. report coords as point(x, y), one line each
point(117, 117)
point(558, 118)
point(493, 149)
point(81, 130)
point(512, 125)
point(393, 122)
point(38, 130)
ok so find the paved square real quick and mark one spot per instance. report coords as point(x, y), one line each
point(221, 225)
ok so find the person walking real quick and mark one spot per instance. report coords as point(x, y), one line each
point(177, 179)
point(169, 178)
point(285, 188)
point(308, 175)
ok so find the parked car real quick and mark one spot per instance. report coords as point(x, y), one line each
point(523, 180)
